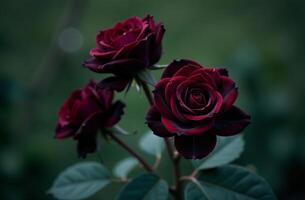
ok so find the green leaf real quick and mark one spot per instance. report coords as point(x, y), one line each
point(227, 149)
point(229, 183)
point(80, 181)
point(145, 187)
point(124, 167)
point(146, 76)
point(152, 144)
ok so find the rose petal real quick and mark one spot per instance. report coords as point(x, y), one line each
point(126, 38)
point(159, 100)
point(103, 40)
point(134, 22)
point(218, 71)
point(170, 89)
point(186, 129)
point(94, 65)
point(101, 54)
point(123, 67)
point(65, 110)
point(143, 33)
point(157, 35)
point(196, 98)
point(222, 71)
point(229, 99)
point(212, 106)
point(173, 67)
point(187, 70)
point(156, 47)
point(160, 86)
point(209, 111)
point(202, 76)
point(195, 146)
point(104, 96)
point(229, 93)
point(117, 83)
point(231, 122)
point(115, 114)
point(148, 19)
point(66, 131)
point(88, 106)
point(175, 109)
point(153, 119)
point(160, 30)
point(135, 49)
point(86, 144)
point(91, 123)
point(141, 50)
point(187, 84)
point(170, 96)
point(120, 30)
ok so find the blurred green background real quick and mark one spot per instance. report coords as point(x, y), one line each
point(42, 46)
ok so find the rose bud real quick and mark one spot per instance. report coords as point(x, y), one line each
point(194, 104)
point(85, 112)
point(127, 48)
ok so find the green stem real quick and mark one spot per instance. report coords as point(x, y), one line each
point(177, 173)
point(147, 92)
point(131, 151)
point(176, 190)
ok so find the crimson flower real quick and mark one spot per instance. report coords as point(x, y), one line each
point(127, 48)
point(85, 112)
point(194, 104)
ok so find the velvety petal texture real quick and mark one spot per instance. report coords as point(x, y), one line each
point(85, 112)
point(154, 118)
point(197, 146)
point(195, 104)
point(127, 48)
point(117, 83)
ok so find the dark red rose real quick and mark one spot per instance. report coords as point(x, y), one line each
point(86, 111)
point(194, 104)
point(127, 48)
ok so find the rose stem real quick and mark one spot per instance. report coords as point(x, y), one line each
point(175, 159)
point(147, 92)
point(131, 151)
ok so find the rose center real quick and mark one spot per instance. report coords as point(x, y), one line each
point(196, 98)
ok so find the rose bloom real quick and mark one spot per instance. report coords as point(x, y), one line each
point(85, 112)
point(194, 104)
point(127, 48)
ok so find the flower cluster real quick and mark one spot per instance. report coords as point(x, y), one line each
point(191, 103)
